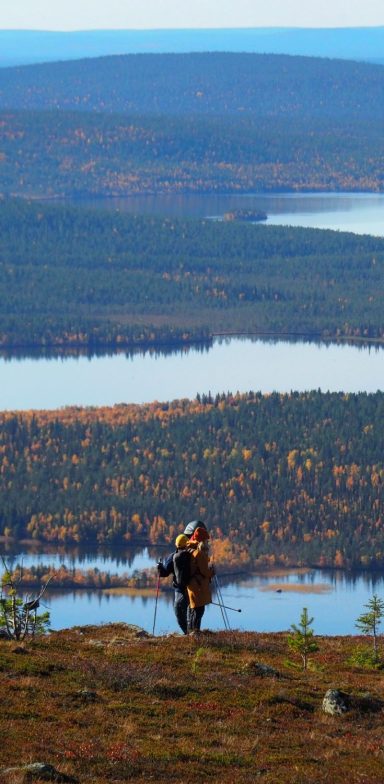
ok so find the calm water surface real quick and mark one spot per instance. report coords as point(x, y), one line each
point(361, 213)
point(230, 365)
point(268, 602)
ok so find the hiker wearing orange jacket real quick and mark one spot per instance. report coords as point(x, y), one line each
point(199, 586)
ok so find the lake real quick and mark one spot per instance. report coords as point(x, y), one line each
point(229, 365)
point(268, 601)
point(360, 213)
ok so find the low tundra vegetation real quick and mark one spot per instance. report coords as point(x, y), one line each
point(112, 703)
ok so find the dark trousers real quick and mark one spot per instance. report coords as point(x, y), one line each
point(180, 606)
point(195, 615)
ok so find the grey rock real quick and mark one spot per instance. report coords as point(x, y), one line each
point(335, 702)
point(262, 670)
point(135, 633)
point(119, 641)
point(96, 643)
point(40, 770)
point(142, 634)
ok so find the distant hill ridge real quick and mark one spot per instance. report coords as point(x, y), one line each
point(31, 46)
point(191, 122)
point(205, 83)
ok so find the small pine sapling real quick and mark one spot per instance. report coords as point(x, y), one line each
point(302, 641)
point(369, 622)
point(18, 613)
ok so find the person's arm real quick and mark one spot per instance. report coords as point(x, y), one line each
point(166, 568)
point(203, 565)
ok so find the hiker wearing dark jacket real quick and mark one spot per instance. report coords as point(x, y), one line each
point(181, 601)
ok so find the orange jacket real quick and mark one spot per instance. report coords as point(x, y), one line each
point(199, 588)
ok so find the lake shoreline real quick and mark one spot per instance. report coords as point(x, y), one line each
point(270, 598)
point(143, 582)
point(140, 194)
point(43, 350)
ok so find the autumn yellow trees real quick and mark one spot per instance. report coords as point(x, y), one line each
point(293, 478)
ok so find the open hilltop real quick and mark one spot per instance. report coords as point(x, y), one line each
point(112, 703)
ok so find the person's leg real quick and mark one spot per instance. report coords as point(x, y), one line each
point(181, 606)
point(189, 619)
point(195, 615)
point(199, 615)
point(192, 619)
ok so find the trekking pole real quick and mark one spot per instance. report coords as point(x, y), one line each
point(225, 606)
point(157, 596)
point(218, 604)
point(222, 613)
point(221, 604)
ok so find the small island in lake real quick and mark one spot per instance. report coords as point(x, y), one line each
point(249, 216)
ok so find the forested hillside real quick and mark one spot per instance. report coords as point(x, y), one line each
point(200, 83)
point(278, 479)
point(93, 278)
point(50, 154)
point(200, 122)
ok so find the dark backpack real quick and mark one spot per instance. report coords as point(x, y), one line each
point(182, 567)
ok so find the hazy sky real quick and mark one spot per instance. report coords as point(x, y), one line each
point(93, 14)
